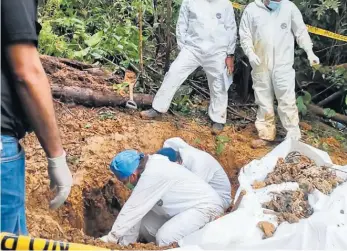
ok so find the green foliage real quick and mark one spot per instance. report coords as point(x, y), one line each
point(221, 141)
point(303, 101)
point(332, 16)
point(103, 30)
point(106, 115)
point(329, 112)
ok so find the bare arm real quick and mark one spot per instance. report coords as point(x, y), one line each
point(18, 26)
point(35, 94)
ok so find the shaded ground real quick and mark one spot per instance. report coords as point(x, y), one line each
point(91, 138)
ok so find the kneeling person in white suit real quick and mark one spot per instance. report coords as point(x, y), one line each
point(168, 202)
point(201, 164)
point(206, 34)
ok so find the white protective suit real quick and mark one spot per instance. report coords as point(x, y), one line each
point(205, 166)
point(206, 32)
point(168, 203)
point(267, 38)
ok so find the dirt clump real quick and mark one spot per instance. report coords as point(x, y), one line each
point(258, 184)
point(267, 227)
point(290, 206)
point(301, 169)
point(305, 126)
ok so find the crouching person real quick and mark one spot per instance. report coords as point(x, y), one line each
point(201, 164)
point(168, 202)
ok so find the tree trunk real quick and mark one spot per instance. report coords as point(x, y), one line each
point(92, 98)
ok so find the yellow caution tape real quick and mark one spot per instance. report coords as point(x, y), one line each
point(12, 242)
point(326, 33)
point(238, 6)
point(311, 29)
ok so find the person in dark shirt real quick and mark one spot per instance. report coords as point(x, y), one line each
point(26, 105)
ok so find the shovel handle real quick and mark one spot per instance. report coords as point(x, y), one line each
point(131, 91)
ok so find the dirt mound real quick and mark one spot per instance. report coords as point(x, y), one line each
point(91, 138)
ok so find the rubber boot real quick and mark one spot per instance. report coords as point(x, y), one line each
point(149, 114)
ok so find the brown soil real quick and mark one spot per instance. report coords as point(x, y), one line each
point(91, 138)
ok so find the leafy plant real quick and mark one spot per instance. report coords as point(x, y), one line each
point(329, 113)
point(221, 141)
point(106, 115)
point(303, 101)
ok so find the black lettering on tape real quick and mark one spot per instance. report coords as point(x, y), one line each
point(32, 242)
point(46, 245)
point(54, 245)
point(62, 246)
point(14, 244)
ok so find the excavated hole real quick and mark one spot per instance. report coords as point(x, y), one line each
point(101, 208)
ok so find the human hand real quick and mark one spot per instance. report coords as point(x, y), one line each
point(104, 238)
point(229, 61)
point(60, 177)
point(314, 60)
point(254, 60)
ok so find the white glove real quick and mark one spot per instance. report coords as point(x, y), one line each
point(312, 58)
point(254, 60)
point(60, 177)
point(109, 238)
point(104, 238)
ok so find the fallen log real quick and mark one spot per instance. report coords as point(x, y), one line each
point(320, 112)
point(94, 98)
point(331, 97)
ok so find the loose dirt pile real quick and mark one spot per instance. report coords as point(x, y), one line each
point(91, 138)
point(301, 169)
point(290, 206)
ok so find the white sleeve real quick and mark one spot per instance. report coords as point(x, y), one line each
point(231, 27)
point(146, 194)
point(246, 38)
point(299, 30)
point(182, 24)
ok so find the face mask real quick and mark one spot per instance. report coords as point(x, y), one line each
point(274, 5)
point(130, 186)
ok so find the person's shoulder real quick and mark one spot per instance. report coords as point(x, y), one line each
point(250, 6)
point(290, 4)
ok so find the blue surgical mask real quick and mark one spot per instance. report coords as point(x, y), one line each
point(274, 5)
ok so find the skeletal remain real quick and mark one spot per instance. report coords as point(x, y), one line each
point(301, 169)
point(289, 206)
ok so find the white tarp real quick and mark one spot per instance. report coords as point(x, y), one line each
point(325, 229)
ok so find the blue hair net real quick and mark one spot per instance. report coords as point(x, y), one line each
point(168, 152)
point(125, 163)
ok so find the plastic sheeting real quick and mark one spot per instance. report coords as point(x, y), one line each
point(325, 229)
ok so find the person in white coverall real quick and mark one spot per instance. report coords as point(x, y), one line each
point(167, 203)
point(267, 33)
point(200, 163)
point(206, 34)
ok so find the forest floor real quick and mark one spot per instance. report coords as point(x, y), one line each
point(93, 136)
